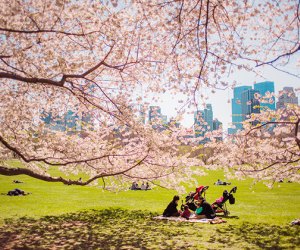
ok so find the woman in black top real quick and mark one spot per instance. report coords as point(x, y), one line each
point(207, 210)
point(171, 209)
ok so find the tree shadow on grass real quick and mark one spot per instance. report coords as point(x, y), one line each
point(104, 229)
point(261, 236)
point(123, 229)
point(228, 216)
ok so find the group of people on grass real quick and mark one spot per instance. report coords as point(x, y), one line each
point(135, 186)
point(203, 210)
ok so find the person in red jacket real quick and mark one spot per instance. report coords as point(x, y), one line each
point(186, 212)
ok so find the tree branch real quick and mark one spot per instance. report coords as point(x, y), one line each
point(45, 160)
point(31, 79)
point(262, 125)
point(273, 164)
point(19, 171)
point(48, 31)
point(278, 57)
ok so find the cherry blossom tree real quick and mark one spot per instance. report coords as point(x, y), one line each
point(268, 150)
point(92, 58)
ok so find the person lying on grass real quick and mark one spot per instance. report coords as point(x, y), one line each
point(171, 209)
point(17, 192)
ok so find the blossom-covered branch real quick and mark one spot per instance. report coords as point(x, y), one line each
point(77, 77)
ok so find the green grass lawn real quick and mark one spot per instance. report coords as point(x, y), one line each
point(74, 217)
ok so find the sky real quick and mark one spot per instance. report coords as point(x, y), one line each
point(220, 100)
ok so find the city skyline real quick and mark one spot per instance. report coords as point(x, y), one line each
point(247, 100)
point(221, 99)
point(236, 109)
point(215, 116)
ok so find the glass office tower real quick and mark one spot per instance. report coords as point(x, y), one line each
point(267, 98)
point(236, 106)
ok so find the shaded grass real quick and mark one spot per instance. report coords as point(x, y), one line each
point(124, 229)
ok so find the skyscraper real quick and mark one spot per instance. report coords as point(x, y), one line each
point(237, 108)
point(154, 113)
point(216, 124)
point(86, 121)
point(156, 119)
point(208, 117)
point(287, 95)
point(71, 120)
point(55, 123)
point(200, 126)
point(203, 122)
point(142, 114)
point(267, 98)
point(164, 119)
point(250, 104)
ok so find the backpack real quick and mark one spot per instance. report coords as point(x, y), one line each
point(231, 199)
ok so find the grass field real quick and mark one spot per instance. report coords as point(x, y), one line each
point(73, 217)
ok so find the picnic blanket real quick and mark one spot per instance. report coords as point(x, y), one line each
point(192, 219)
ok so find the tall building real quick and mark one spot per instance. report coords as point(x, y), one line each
point(200, 126)
point(267, 98)
point(208, 117)
point(216, 124)
point(173, 122)
point(164, 119)
point(236, 107)
point(156, 119)
point(142, 114)
point(250, 104)
point(154, 113)
point(55, 123)
point(204, 122)
point(70, 122)
point(287, 95)
point(86, 121)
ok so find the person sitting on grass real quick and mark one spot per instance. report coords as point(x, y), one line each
point(143, 186)
point(199, 209)
point(204, 209)
point(135, 186)
point(171, 209)
point(186, 212)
